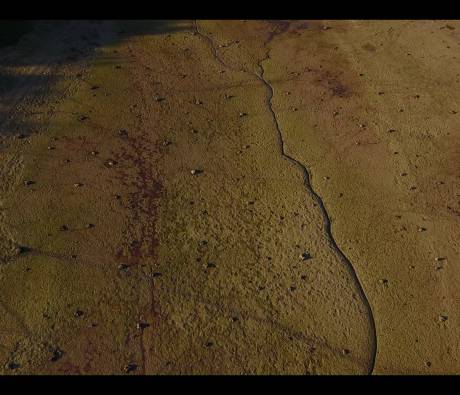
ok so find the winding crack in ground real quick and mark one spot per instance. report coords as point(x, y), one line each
point(307, 182)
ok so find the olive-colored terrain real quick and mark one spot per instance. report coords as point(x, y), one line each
point(230, 197)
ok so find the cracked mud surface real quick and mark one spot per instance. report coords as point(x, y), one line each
point(247, 197)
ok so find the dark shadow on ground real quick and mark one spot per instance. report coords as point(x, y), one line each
point(11, 31)
point(33, 44)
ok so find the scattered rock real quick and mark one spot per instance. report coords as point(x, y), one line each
point(57, 355)
point(195, 172)
point(443, 318)
point(242, 114)
point(305, 256)
point(64, 228)
point(130, 367)
point(79, 313)
point(13, 365)
point(123, 132)
point(209, 344)
point(123, 267)
point(142, 325)
point(23, 249)
point(82, 118)
point(78, 185)
point(211, 265)
point(89, 226)
point(29, 182)
point(383, 281)
point(110, 163)
point(94, 153)
point(166, 143)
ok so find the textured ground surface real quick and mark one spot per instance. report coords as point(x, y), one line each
point(230, 197)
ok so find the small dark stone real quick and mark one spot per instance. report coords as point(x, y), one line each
point(123, 267)
point(57, 355)
point(83, 118)
point(89, 226)
point(130, 367)
point(211, 265)
point(79, 313)
point(123, 132)
point(142, 325)
point(23, 249)
point(29, 182)
point(156, 274)
point(63, 228)
point(305, 256)
point(209, 344)
point(13, 365)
